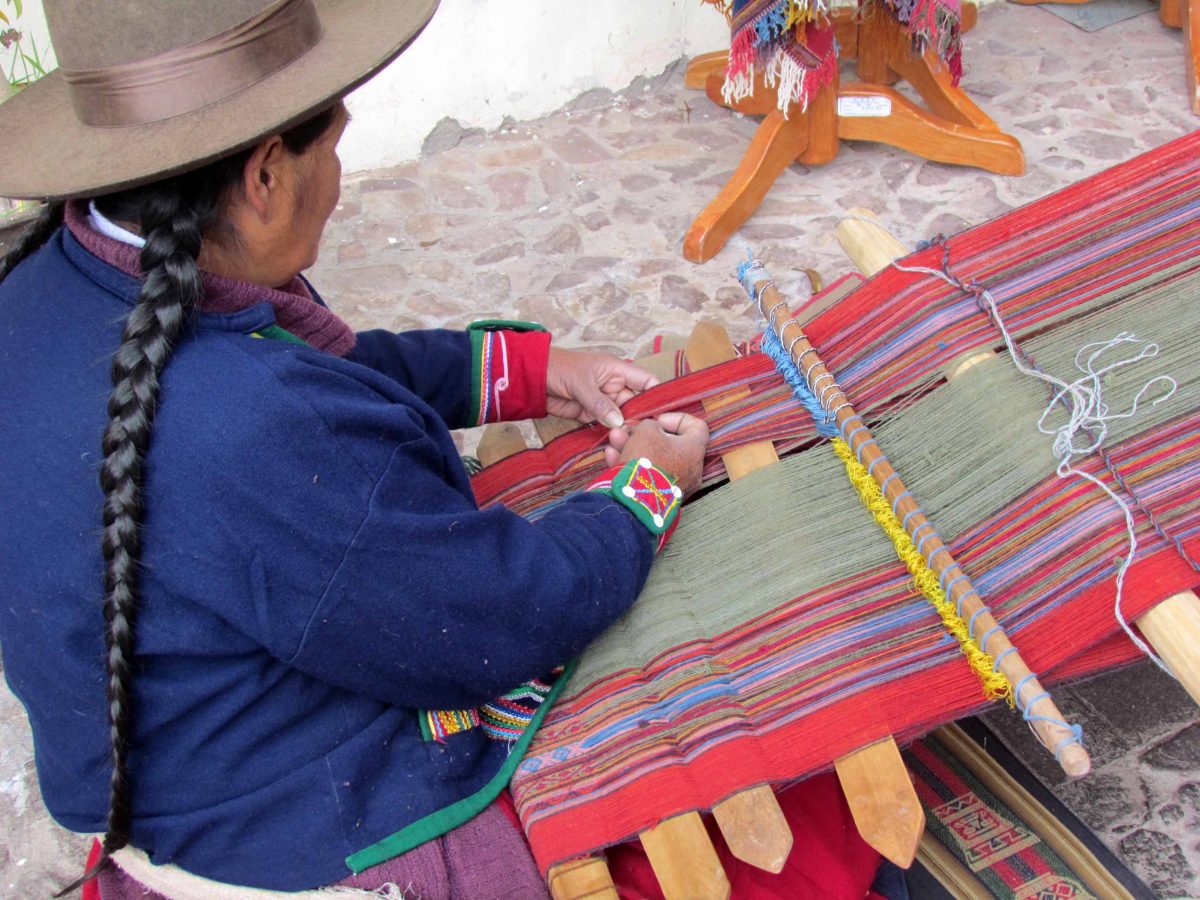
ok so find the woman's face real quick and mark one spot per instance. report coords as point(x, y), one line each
point(318, 187)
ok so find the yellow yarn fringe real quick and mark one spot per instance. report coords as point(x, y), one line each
point(995, 685)
point(801, 11)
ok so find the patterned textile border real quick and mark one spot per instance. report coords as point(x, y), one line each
point(986, 836)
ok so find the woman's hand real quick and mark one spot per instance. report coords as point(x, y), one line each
point(590, 387)
point(675, 442)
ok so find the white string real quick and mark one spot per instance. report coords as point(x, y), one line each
point(1089, 415)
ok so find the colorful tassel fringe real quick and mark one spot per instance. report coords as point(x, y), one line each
point(791, 42)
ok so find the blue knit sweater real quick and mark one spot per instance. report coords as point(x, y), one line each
point(315, 572)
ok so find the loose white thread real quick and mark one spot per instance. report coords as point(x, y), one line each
point(1090, 415)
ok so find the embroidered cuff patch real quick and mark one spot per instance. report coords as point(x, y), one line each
point(647, 492)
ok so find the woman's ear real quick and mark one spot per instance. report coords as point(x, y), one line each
point(263, 177)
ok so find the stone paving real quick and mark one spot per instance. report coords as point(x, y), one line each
point(577, 221)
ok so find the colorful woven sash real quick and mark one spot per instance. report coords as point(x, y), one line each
point(778, 631)
point(791, 42)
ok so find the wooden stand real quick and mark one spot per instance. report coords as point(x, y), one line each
point(952, 130)
point(1185, 14)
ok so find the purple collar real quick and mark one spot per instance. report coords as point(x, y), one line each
point(295, 308)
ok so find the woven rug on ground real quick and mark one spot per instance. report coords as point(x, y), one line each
point(986, 836)
point(778, 631)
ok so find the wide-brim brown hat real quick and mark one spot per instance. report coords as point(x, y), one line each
point(169, 86)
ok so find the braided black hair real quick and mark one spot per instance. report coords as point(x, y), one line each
point(173, 216)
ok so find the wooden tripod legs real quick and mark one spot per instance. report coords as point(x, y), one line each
point(776, 145)
point(952, 130)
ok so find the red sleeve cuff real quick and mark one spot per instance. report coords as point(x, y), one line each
point(508, 374)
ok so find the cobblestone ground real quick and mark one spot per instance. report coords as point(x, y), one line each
point(577, 221)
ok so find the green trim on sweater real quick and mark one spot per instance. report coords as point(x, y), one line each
point(438, 823)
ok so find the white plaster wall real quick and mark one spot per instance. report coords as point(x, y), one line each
point(481, 60)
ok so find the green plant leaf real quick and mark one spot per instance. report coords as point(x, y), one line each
point(17, 4)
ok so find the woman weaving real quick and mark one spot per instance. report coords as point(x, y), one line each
point(292, 567)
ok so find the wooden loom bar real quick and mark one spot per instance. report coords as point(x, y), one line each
point(1172, 627)
point(1046, 720)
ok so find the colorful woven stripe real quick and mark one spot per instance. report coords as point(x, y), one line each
point(437, 725)
point(990, 839)
point(489, 376)
point(848, 653)
point(506, 718)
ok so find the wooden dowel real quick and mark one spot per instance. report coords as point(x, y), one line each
point(1044, 716)
point(1173, 629)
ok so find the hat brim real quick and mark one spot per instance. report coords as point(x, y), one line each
point(50, 154)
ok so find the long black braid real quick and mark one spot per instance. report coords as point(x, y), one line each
point(173, 216)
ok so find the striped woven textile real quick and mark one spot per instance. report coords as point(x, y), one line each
point(759, 653)
point(791, 44)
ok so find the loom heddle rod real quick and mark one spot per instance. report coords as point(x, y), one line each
point(1040, 710)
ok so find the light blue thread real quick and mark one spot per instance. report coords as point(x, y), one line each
point(1017, 692)
point(1003, 653)
point(1075, 737)
point(773, 347)
point(933, 555)
point(876, 461)
point(887, 481)
point(863, 446)
point(971, 624)
point(899, 497)
point(909, 515)
point(957, 578)
point(921, 543)
point(958, 605)
point(987, 634)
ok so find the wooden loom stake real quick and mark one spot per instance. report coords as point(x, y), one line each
point(1172, 627)
point(1046, 720)
point(751, 821)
